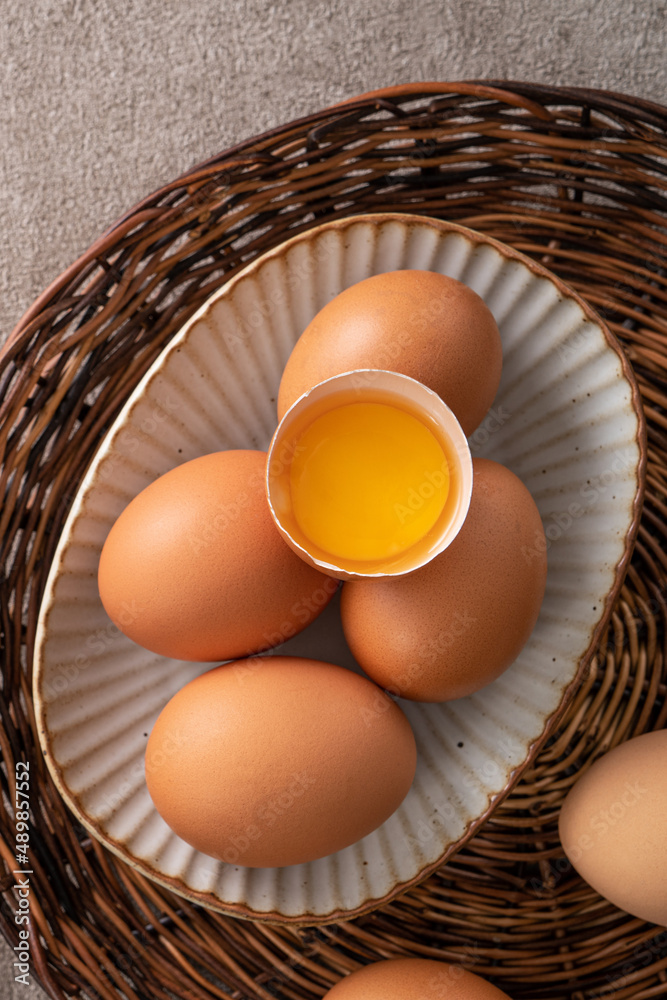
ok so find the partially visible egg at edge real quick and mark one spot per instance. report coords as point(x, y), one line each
point(414, 979)
point(613, 826)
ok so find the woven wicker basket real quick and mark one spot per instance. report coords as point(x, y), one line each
point(576, 179)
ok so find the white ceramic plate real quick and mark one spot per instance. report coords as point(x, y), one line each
point(567, 420)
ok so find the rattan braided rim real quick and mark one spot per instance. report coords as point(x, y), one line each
point(575, 179)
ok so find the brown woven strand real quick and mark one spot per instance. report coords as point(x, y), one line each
point(574, 178)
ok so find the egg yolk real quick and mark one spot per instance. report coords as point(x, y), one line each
point(367, 481)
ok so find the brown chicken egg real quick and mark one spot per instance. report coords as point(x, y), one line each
point(278, 760)
point(414, 979)
point(194, 568)
point(419, 323)
point(613, 826)
point(457, 623)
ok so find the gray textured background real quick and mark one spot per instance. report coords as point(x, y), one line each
point(105, 100)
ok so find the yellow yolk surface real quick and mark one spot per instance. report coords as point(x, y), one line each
point(367, 481)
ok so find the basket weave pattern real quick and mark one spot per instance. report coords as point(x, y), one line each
point(577, 180)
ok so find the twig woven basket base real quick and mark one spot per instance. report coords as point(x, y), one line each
point(576, 179)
